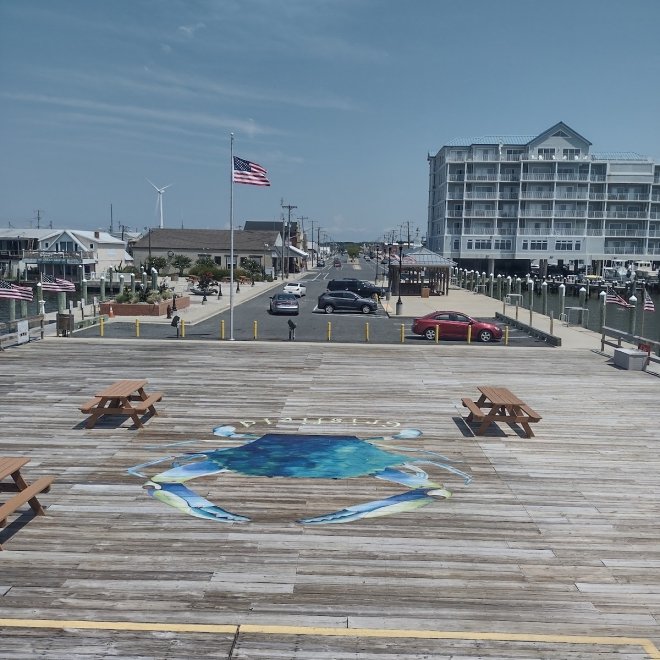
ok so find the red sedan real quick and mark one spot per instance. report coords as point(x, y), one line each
point(454, 325)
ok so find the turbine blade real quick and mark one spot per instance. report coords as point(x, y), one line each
point(153, 184)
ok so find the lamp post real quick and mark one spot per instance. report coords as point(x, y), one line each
point(399, 302)
point(266, 246)
point(377, 262)
point(389, 272)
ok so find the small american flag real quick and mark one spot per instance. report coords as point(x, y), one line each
point(9, 290)
point(247, 172)
point(614, 298)
point(49, 283)
point(648, 302)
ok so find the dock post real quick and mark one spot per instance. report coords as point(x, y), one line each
point(102, 281)
point(603, 310)
point(562, 300)
point(499, 286)
point(633, 315)
point(544, 298)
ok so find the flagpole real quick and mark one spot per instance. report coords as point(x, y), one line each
point(231, 238)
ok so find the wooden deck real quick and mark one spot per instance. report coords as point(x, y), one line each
point(553, 551)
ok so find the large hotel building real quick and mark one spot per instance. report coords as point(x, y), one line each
point(543, 199)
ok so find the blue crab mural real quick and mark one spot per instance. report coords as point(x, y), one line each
point(301, 456)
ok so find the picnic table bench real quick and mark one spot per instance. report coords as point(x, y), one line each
point(498, 404)
point(124, 397)
point(25, 492)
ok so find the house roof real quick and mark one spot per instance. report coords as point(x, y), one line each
point(206, 239)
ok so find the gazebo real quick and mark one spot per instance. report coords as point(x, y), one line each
point(422, 272)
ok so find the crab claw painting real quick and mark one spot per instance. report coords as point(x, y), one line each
point(303, 456)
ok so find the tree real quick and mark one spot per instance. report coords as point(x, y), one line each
point(181, 262)
point(155, 262)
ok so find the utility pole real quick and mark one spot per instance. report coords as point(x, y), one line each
point(312, 253)
point(112, 227)
point(302, 219)
point(290, 208)
point(39, 212)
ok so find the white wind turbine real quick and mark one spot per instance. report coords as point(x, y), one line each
point(159, 200)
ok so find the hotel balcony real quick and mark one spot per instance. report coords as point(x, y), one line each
point(627, 215)
point(539, 176)
point(628, 249)
point(640, 233)
point(480, 195)
point(626, 196)
point(531, 194)
point(475, 176)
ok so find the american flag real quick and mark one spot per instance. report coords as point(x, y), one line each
point(614, 298)
point(9, 290)
point(49, 283)
point(648, 302)
point(247, 172)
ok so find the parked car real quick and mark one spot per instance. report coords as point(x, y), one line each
point(284, 303)
point(321, 263)
point(340, 301)
point(361, 287)
point(454, 325)
point(296, 288)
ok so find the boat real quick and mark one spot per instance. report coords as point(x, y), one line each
point(645, 271)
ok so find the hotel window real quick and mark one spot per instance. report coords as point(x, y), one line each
point(546, 153)
point(563, 245)
point(525, 245)
point(469, 244)
point(482, 244)
point(457, 244)
point(538, 245)
point(572, 154)
point(502, 244)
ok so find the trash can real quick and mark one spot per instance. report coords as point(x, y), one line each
point(64, 324)
point(425, 291)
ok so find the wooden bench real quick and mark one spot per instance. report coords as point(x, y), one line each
point(88, 406)
point(11, 467)
point(475, 411)
point(124, 397)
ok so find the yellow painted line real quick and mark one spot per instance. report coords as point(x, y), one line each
point(646, 644)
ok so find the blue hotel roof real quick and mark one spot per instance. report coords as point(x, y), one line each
point(618, 155)
point(491, 139)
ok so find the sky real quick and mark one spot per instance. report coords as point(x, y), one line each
point(340, 100)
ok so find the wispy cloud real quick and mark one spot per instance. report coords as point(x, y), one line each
point(189, 30)
point(178, 117)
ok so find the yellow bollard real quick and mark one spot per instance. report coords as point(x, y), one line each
point(469, 334)
point(437, 334)
point(222, 329)
point(254, 329)
point(329, 335)
point(137, 327)
point(506, 335)
point(403, 328)
point(102, 327)
point(366, 332)
point(183, 328)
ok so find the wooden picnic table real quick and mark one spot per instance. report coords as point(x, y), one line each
point(498, 404)
point(124, 397)
point(10, 466)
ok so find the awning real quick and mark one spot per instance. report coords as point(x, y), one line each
point(295, 250)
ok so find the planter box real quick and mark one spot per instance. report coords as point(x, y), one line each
point(143, 309)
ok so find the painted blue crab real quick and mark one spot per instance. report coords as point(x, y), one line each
point(303, 457)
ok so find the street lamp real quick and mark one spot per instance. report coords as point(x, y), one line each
point(266, 246)
point(399, 302)
point(377, 262)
